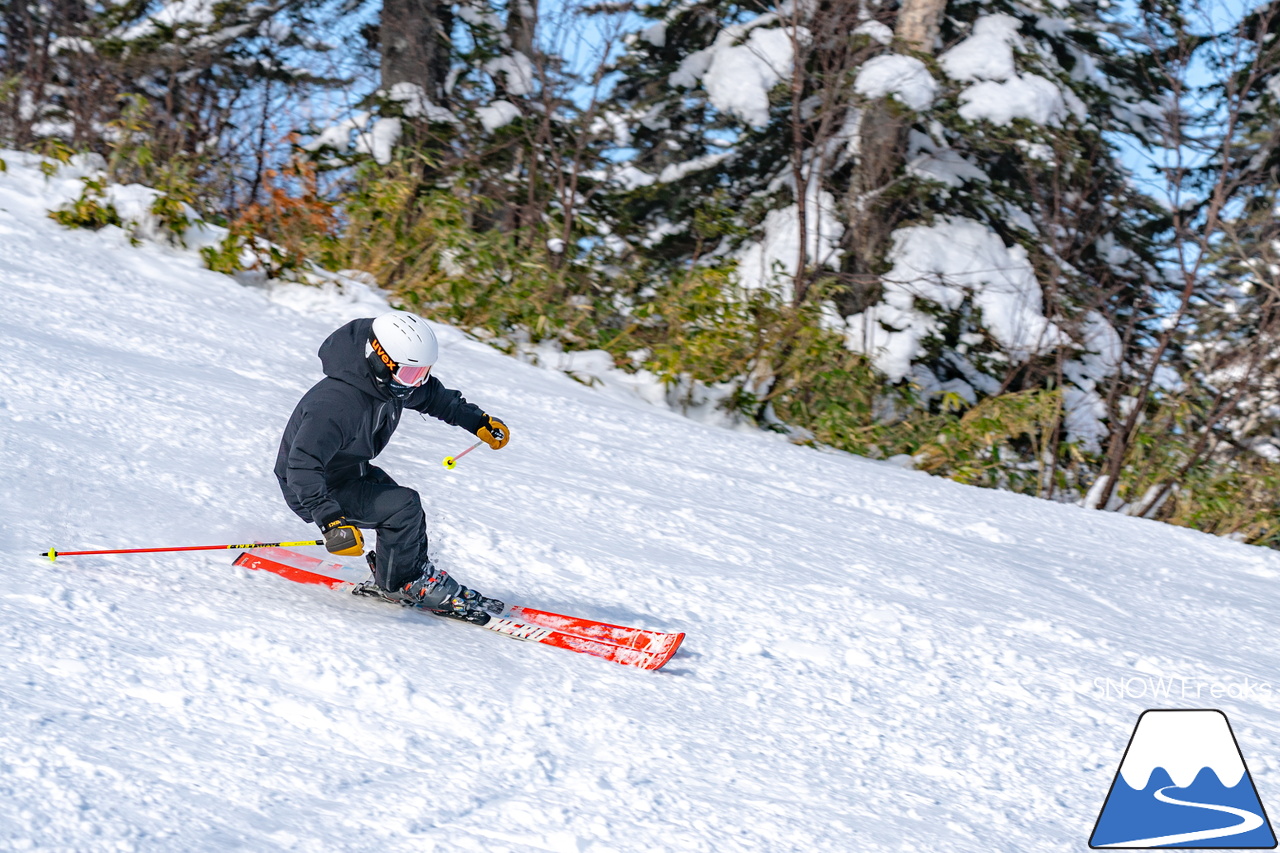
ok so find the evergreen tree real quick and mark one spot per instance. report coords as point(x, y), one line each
point(948, 178)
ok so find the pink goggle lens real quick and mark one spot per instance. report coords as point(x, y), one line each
point(412, 374)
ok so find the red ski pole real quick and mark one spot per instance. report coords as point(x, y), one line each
point(53, 555)
point(450, 461)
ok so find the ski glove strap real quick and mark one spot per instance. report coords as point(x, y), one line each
point(494, 433)
point(342, 538)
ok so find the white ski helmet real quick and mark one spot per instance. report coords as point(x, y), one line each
point(402, 348)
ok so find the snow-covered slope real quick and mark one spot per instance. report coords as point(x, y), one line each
point(876, 659)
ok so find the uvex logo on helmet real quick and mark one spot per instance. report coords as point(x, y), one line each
point(382, 354)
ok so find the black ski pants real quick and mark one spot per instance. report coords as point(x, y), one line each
point(376, 501)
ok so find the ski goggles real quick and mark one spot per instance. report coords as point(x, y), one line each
point(410, 374)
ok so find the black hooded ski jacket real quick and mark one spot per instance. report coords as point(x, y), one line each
point(346, 419)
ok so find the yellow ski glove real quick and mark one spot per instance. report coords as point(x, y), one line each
point(341, 537)
point(494, 433)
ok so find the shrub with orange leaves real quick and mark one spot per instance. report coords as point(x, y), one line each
point(293, 220)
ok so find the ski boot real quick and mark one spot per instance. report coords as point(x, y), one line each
point(440, 594)
point(436, 593)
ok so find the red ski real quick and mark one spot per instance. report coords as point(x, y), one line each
point(660, 645)
point(626, 646)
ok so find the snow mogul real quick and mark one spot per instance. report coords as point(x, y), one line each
point(375, 369)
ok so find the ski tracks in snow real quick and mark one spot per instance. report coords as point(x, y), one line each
point(876, 659)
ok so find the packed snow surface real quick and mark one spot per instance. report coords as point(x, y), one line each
point(876, 659)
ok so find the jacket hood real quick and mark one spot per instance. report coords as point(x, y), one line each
point(342, 356)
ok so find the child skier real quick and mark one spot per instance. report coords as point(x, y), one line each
point(374, 369)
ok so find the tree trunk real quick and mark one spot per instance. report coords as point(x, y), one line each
point(522, 20)
point(918, 23)
point(414, 37)
point(882, 148)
